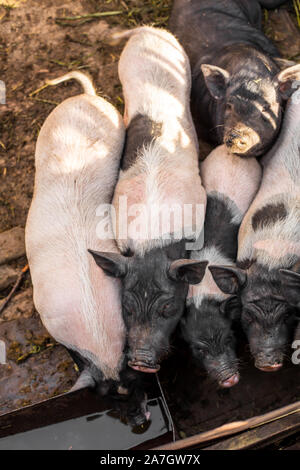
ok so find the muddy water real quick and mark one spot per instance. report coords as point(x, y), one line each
point(36, 366)
point(96, 431)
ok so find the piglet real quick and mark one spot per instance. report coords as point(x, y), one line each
point(231, 184)
point(266, 280)
point(77, 161)
point(157, 196)
point(238, 88)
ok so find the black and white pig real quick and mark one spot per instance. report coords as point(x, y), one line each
point(265, 282)
point(160, 175)
point(238, 88)
point(231, 184)
point(77, 161)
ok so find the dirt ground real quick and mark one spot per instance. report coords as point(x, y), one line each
point(38, 40)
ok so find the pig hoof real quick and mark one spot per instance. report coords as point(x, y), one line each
point(233, 380)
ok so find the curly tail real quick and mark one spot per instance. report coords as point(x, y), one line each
point(82, 78)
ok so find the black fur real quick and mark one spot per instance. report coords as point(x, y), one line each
point(154, 289)
point(131, 405)
point(269, 215)
point(219, 230)
point(141, 131)
point(207, 328)
point(208, 332)
point(228, 34)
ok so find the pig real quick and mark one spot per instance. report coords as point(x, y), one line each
point(159, 171)
point(231, 184)
point(77, 161)
point(265, 282)
point(238, 87)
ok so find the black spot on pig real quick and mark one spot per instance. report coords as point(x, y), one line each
point(244, 264)
point(86, 364)
point(141, 131)
point(269, 215)
point(219, 209)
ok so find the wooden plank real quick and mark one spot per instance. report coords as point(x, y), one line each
point(231, 428)
point(261, 436)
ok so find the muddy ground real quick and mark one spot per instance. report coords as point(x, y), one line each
point(38, 40)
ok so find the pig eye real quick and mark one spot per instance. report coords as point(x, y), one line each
point(129, 312)
point(166, 310)
point(201, 347)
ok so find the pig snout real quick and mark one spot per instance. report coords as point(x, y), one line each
point(233, 380)
point(143, 360)
point(241, 141)
point(223, 370)
point(236, 139)
point(269, 360)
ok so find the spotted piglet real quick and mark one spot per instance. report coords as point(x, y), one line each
point(266, 280)
point(77, 160)
point(159, 201)
point(231, 185)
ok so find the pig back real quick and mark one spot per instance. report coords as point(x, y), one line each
point(270, 230)
point(159, 84)
point(231, 184)
point(77, 161)
point(233, 178)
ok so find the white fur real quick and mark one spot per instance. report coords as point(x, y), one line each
point(207, 286)
point(77, 160)
point(235, 181)
point(235, 178)
point(166, 171)
point(277, 245)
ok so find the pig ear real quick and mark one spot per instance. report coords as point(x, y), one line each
point(290, 282)
point(113, 264)
point(230, 280)
point(287, 81)
point(284, 63)
point(231, 308)
point(187, 270)
point(216, 80)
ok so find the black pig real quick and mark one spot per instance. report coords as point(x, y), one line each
point(237, 89)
